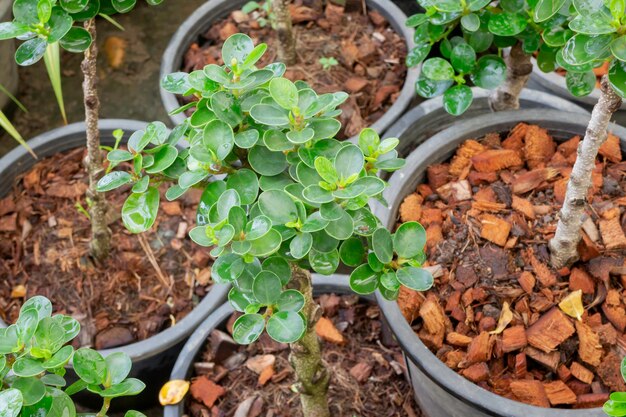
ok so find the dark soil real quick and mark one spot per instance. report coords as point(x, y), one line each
point(44, 244)
point(369, 53)
point(367, 377)
point(490, 213)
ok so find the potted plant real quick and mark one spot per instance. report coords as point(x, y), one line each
point(289, 198)
point(581, 52)
point(220, 14)
point(33, 355)
point(151, 340)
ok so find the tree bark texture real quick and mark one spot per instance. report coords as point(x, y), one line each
point(284, 30)
point(518, 70)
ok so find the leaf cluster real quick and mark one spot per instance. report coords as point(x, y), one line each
point(278, 189)
point(576, 35)
point(40, 23)
point(34, 353)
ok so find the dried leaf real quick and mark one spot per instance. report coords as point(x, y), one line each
point(173, 391)
point(506, 316)
point(572, 305)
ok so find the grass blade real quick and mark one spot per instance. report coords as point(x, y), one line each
point(112, 21)
point(8, 126)
point(13, 98)
point(53, 65)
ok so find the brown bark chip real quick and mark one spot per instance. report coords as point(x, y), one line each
point(558, 393)
point(612, 234)
point(478, 372)
point(494, 229)
point(589, 347)
point(579, 279)
point(552, 329)
point(611, 149)
point(530, 392)
point(463, 157)
point(495, 160)
point(514, 338)
point(609, 372)
point(538, 146)
point(411, 208)
point(581, 373)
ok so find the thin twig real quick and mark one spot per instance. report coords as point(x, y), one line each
point(148, 250)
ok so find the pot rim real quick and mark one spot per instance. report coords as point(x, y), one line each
point(446, 142)
point(322, 284)
point(67, 137)
point(556, 83)
point(202, 18)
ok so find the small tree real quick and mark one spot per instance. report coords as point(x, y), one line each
point(33, 355)
point(281, 197)
point(472, 36)
point(43, 23)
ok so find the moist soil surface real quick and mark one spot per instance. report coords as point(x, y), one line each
point(256, 380)
point(370, 56)
point(498, 314)
point(44, 250)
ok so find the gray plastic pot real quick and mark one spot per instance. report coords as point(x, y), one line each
point(154, 357)
point(211, 11)
point(555, 83)
point(439, 390)
point(8, 70)
point(423, 121)
point(183, 369)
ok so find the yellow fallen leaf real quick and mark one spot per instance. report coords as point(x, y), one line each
point(572, 305)
point(506, 316)
point(173, 392)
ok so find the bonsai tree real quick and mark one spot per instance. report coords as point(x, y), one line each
point(472, 36)
point(34, 353)
point(72, 25)
point(281, 197)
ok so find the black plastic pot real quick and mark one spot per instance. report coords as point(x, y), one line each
point(429, 118)
point(211, 11)
point(154, 357)
point(440, 391)
point(183, 369)
point(555, 83)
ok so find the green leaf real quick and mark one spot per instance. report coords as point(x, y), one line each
point(176, 83)
point(113, 180)
point(227, 200)
point(490, 72)
point(382, 243)
point(10, 30)
point(26, 367)
point(140, 210)
point(199, 235)
point(76, 40)
point(53, 380)
point(342, 228)
point(90, 366)
point(247, 139)
point(581, 49)
point(30, 51)
point(248, 328)
point(266, 162)
point(60, 358)
point(417, 279)
point(258, 227)
point(326, 169)
point(409, 240)
point(9, 340)
point(580, 83)
point(128, 387)
point(325, 263)
point(437, 69)
point(470, 22)
point(593, 24)
point(428, 88)
point(11, 402)
point(617, 77)
point(389, 280)
point(448, 5)
point(586, 7)
point(463, 58)
point(73, 6)
point(286, 326)
point(278, 206)
point(246, 183)
point(618, 48)
point(55, 403)
point(418, 54)
point(349, 161)
point(237, 47)
point(25, 11)
point(545, 9)
point(317, 195)
point(303, 136)
point(416, 20)
point(369, 141)
point(27, 324)
point(290, 300)
point(226, 107)
point(284, 92)
point(363, 280)
point(118, 367)
point(218, 136)
point(300, 245)
point(457, 99)
point(60, 24)
point(269, 115)
point(123, 6)
point(352, 252)
point(32, 389)
point(266, 245)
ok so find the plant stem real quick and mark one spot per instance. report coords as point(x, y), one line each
point(306, 356)
point(563, 246)
point(105, 407)
point(284, 30)
point(100, 236)
point(518, 70)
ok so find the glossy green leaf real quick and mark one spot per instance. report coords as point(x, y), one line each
point(237, 47)
point(266, 162)
point(324, 263)
point(463, 58)
point(118, 365)
point(300, 245)
point(437, 69)
point(581, 49)
point(73, 6)
point(593, 24)
point(128, 387)
point(363, 280)
point(349, 161)
point(409, 240)
point(278, 206)
point(457, 99)
point(490, 72)
point(470, 22)
point(417, 279)
point(428, 88)
point(266, 245)
point(269, 115)
point(76, 40)
point(32, 389)
point(248, 328)
point(545, 9)
point(618, 48)
point(382, 244)
point(30, 51)
point(342, 228)
point(113, 180)
point(90, 366)
point(389, 280)
point(140, 210)
point(218, 136)
point(286, 326)
point(25, 11)
point(418, 54)
point(11, 402)
point(580, 83)
point(284, 92)
point(246, 183)
point(352, 252)
point(26, 367)
point(617, 77)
